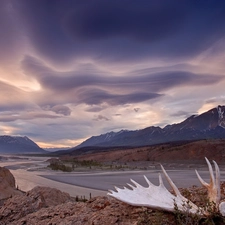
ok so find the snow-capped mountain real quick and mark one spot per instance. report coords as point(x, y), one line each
point(210, 124)
point(19, 145)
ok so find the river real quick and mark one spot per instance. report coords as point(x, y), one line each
point(31, 172)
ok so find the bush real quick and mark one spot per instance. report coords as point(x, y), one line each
point(60, 166)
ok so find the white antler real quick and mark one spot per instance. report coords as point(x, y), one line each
point(157, 197)
point(214, 186)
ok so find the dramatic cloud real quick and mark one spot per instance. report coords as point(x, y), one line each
point(100, 117)
point(96, 96)
point(26, 116)
point(67, 29)
point(58, 109)
point(114, 19)
point(12, 98)
point(95, 108)
point(182, 113)
point(71, 69)
point(95, 89)
point(136, 109)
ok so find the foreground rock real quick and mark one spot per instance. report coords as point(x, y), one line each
point(7, 184)
point(98, 211)
point(39, 197)
point(49, 206)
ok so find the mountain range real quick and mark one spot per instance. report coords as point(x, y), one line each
point(18, 145)
point(208, 125)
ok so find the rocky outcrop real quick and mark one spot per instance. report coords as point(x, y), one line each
point(47, 196)
point(20, 206)
point(98, 211)
point(7, 184)
point(36, 208)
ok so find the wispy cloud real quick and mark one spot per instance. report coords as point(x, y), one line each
point(101, 117)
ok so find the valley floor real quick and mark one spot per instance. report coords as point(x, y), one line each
point(31, 172)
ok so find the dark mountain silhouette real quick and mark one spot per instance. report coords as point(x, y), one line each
point(19, 145)
point(209, 125)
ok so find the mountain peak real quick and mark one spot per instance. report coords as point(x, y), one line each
point(221, 120)
point(18, 144)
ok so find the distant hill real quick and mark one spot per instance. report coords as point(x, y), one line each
point(173, 152)
point(18, 145)
point(208, 125)
point(56, 149)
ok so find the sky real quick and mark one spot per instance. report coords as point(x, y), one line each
point(72, 69)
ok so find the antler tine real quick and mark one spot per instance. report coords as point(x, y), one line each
point(161, 181)
point(217, 173)
point(131, 186)
point(201, 180)
point(117, 189)
point(212, 178)
point(148, 181)
point(135, 183)
point(214, 186)
point(217, 184)
point(174, 187)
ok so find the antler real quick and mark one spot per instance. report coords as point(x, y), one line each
point(214, 186)
point(157, 197)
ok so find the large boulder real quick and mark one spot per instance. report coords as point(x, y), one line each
point(7, 184)
point(39, 197)
point(48, 196)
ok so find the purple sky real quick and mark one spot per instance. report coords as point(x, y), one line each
point(71, 69)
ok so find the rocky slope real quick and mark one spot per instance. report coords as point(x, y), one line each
point(174, 152)
point(7, 184)
point(33, 208)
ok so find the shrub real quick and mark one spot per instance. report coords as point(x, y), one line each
point(59, 166)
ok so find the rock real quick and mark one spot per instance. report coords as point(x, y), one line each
point(49, 196)
point(7, 184)
point(18, 207)
point(98, 211)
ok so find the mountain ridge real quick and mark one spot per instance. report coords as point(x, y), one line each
point(208, 125)
point(18, 145)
